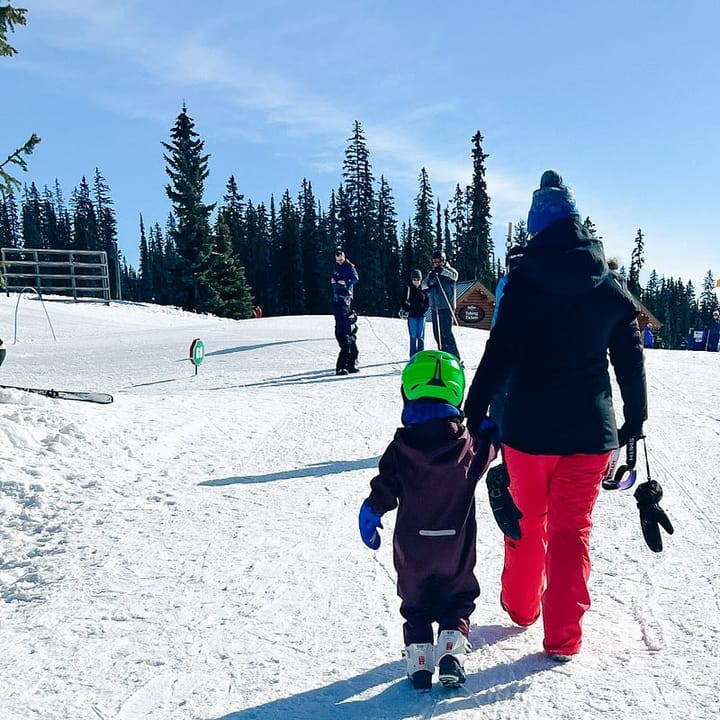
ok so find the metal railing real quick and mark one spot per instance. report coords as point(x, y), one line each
point(83, 274)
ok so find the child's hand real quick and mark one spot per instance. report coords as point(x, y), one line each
point(369, 522)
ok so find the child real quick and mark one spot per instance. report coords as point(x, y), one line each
point(429, 472)
point(414, 304)
point(345, 334)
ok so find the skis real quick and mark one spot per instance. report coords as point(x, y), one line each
point(93, 397)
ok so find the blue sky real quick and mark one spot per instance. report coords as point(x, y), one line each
point(620, 96)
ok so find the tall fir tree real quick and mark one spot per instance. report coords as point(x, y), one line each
point(230, 295)
point(389, 248)
point(31, 213)
point(314, 257)
point(476, 256)
point(707, 301)
point(85, 226)
point(459, 221)
point(187, 168)
point(424, 237)
point(10, 234)
point(289, 270)
point(637, 260)
point(107, 231)
point(360, 222)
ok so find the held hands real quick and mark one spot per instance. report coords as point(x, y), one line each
point(506, 514)
point(652, 516)
point(369, 522)
point(486, 440)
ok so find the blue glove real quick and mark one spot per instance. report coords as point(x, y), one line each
point(369, 522)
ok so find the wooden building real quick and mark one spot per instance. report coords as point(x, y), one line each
point(474, 304)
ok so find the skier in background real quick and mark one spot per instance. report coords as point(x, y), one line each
point(440, 284)
point(345, 333)
point(562, 310)
point(415, 303)
point(344, 275)
point(714, 332)
point(648, 337)
point(429, 472)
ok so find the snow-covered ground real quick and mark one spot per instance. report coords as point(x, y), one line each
point(191, 550)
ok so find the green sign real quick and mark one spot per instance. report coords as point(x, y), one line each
point(197, 352)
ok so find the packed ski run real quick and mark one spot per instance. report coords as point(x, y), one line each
point(191, 551)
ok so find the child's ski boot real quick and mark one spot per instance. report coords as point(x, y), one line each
point(452, 647)
point(420, 665)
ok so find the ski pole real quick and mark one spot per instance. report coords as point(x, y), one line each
point(450, 307)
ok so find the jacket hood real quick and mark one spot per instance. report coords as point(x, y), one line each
point(564, 259)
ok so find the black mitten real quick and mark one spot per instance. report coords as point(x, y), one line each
point(504, 510)
point(652, 516)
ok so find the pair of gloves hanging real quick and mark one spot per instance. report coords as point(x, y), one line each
point(647, 495)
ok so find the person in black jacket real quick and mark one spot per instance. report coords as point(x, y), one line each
point(345, 334)
point(562, 312)
point(415, 304)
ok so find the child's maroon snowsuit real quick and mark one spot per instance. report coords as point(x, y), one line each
point(426, 473)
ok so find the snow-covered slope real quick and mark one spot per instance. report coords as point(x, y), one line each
point(191, 551)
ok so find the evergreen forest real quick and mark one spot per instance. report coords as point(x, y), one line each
point(226, 255)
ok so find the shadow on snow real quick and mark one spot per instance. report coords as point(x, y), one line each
point(316, 470)
point(386, 693)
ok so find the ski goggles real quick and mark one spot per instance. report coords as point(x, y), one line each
point(624, 476)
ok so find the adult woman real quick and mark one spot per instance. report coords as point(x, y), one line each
point(562, 311)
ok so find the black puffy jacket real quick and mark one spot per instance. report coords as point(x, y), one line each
point(562, 314)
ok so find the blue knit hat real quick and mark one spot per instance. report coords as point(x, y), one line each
point(552, 201)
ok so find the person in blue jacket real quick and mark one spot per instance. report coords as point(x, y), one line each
point(344, 275)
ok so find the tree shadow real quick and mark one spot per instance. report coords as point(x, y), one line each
point(322, 375)
point(316, 470)
point(384, 693)
point(259, 346)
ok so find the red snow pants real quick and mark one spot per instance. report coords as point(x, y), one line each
point(550, 565)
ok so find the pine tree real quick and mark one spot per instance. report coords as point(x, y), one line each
point(314, 257)
point(232, 213)
point(9, 17)
point(520, 233)
point(258, 262)
point(85, 226)
point(590, 225)
point(64, 229)
point(230, 295)
point(476, 256)
point(390, 258)
point(707, 301)
point(145, 289)
point(187, 168)
point(424, 237)
point(107, 231)
point(637, 260)
point(459, 219)
point(358, 209)
point(10, 235)
point(288, 269)
point(32, 219)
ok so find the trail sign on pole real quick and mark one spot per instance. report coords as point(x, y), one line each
point(197, 353)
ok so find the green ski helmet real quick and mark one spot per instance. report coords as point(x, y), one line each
point(434, 374)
